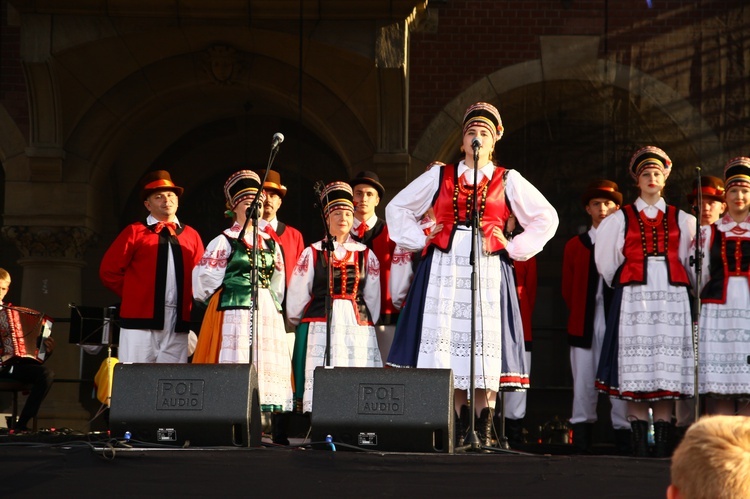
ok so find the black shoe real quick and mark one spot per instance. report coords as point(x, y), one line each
point(279, 425)
point(679, 434)
point(462, 425)
point(20, 427)
point(458, 430)
point(663, 438)
point(514, 432)
point(623, 442)
point(640, 438)
point(484, 427)
point(582, 437)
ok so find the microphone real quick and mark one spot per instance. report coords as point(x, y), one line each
point(476, 143)
point(278, 138)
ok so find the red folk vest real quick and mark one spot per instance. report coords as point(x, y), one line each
point(644, 238)
point(452, 206)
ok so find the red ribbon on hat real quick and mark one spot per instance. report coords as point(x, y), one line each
point(171, 227)
point(158, 183)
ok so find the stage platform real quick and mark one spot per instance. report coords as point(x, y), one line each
point(59, 464)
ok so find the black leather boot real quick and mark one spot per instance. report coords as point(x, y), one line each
point(279, 428)
point(462, 425)
point(458, 430)
point(640, 438)
point(484, 427)
point(623, 442)
point(582, 437)
point(679, 434)
point(514, 432)
point(663, 438)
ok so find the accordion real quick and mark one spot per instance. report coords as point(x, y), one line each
point(22, 334)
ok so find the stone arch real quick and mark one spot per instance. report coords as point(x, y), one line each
point(630, 109)
point(536, 102)
point(128, 103)
point(699, 144)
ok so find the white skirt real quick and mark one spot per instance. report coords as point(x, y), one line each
point(446, 327)
point(724, 343)
point(655, 354)
point(271, 354)
point(352, 345)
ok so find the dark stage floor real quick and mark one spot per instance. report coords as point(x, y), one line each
point(60, 465)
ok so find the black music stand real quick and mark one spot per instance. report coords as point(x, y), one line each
point(95, 326)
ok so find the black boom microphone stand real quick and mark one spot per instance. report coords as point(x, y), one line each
point(253, 212)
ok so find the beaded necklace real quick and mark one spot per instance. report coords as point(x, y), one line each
point(468, 192)
point(341, 265)
point(653, 223)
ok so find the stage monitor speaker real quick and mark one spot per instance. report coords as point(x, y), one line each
point(186, 404)
point(392, 410)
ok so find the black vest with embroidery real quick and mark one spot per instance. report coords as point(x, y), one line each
point(728, 257)
point(346, 285)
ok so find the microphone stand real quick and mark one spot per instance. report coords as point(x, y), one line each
point(253, 212)
point(328, 247)
point(472, 442)
point(697, 261)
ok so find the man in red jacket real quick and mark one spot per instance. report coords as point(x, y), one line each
point(289, 238)
point(373, 233)
point(149, 266)
point(586, 296)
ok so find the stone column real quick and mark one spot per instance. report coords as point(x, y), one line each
point(391, 160)
point(52, 259)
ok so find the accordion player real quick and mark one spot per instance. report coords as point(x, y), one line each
point(22, 334)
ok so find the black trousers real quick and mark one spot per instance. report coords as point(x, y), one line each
point(40, 377)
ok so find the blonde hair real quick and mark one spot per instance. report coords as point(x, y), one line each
point(713, 459)
point(4, 275)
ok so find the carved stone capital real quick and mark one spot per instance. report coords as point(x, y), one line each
point(50, 242)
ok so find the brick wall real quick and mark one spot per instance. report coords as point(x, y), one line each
point(673, 41)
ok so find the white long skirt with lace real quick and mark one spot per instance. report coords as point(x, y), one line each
point(724, 343)
point(352, 345)
point(446, 327)
point(655, 354)
point(270, 352)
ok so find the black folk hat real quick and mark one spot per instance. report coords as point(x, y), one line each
point(369, 178)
